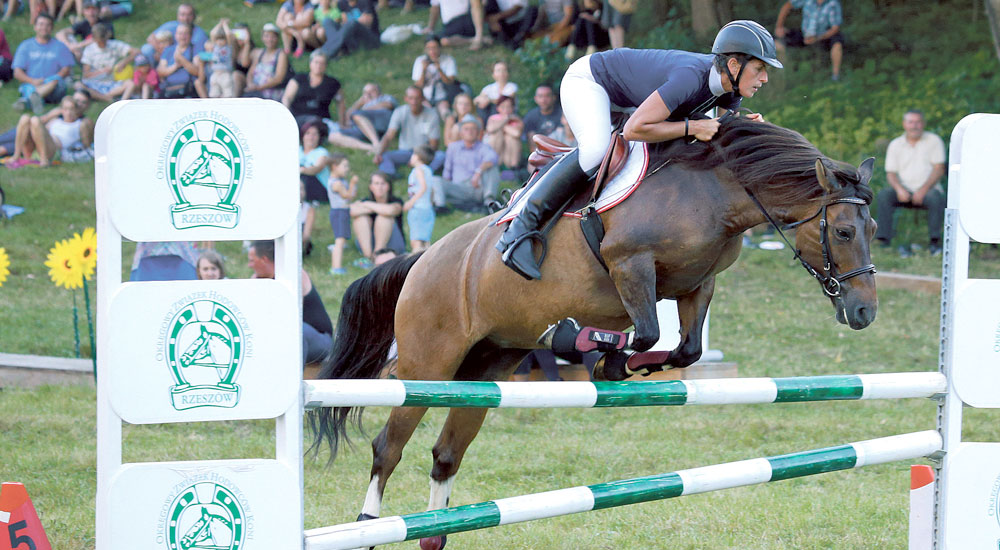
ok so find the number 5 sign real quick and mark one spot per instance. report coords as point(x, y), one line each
point(20, 528)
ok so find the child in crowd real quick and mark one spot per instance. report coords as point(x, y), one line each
point(219, 58)
point(419, 209)
point(145, 81)
point(340, 193)
point(211, 265)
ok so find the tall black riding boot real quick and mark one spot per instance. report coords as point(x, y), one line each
point(546, 198)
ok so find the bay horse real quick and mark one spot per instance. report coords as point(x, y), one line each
point(457, 313)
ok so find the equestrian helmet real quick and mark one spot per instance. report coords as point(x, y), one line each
point(748, 37)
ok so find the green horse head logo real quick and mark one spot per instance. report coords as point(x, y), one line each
point(205, 170)
point(205, 516)
point(205, 347)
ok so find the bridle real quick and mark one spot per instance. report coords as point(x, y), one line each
point(830, 280)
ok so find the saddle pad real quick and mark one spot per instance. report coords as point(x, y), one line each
point(616, 191)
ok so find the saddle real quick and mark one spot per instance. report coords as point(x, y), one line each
point(614, 159)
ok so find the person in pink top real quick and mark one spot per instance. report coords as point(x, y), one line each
point(6, 59)
point(145, 81)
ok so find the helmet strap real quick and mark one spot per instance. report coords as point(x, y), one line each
point(736, 81)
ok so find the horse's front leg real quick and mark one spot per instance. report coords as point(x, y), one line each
point(635, 279)
point(692, 309)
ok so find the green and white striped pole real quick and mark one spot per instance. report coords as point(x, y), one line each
point(414, 393)
point(620, 493)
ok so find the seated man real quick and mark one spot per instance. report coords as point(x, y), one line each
point(41, 65)
point(821, 20)
point(80, 35)
point(914, 164)
point(359, 29)
point(317, 329)
point(178, 70)
point(471, 177)
point(415, 125)
point(185, 14)
point(510, 20)
point(367, 119)
point(103, 58)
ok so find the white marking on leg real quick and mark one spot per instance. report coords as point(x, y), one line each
point(440, 493)
point(373, 499)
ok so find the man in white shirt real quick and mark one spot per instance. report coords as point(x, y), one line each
point(914, 165)
point(461, 20)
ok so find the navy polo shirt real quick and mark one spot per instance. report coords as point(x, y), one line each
point(681, 79)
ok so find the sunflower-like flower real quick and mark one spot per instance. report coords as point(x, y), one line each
point(64, 265)
point(86, 247)
point(4, 265)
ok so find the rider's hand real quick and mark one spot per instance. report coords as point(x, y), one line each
point(703, 130)
point(756, 117)
point(902, 195)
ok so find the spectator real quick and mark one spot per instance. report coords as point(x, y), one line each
point(616, 16)
point(101, 60)
point(564, 134)
point(145, 81)
point(914, 165)
point(210, 265)
point(308, 96)
point(269, 68)
point(164, 261)
point(317, 330)
point(461, 20)
point(13, 6)
point(6, 59)
point(588, 33)
point(186, 14)
point(178, 70)
point(545, 117)
point(80, 34)
point(161, 41)
point(418, 206)
point(218, 61)
point(471, 177)
point(242, 50)
point(66, 6)
point(113, 9)
point(342, 189)
point(436, 74)
point(555, 21)
point(314, 174)
point(487, 99)
point(41, 65)
point(383, 255)
point(323, 11)
point(69, 137)
point(358, 28)
point(367, 119)
point(415, 125)
point(377, 221)
point(510, 20)
point(503, 133)
point(7, 140)
point(821, 20)
point(295, 19)
point(462, 106)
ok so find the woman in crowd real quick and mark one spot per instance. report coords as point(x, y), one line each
point(295, 19)
point(242, 58)
point(268, 67)
point(503, 133)
point(460, 107)
point(210, 265)
point(378, 220)
point(69, 137)
point(314, 175)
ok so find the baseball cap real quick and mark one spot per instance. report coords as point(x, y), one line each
point(141, 60)
point(271, 27)
point(471, 118)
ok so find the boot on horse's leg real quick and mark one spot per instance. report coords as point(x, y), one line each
point(546, 198)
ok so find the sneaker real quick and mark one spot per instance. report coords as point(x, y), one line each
point(904, 251)
point(21, 104)
point(36, 103)
point(363, 263)
point(338, 271)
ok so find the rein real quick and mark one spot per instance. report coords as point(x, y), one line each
point(829, 279)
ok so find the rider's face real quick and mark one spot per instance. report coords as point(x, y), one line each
point(754, 76)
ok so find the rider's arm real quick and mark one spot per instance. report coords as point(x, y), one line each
point(648, 123)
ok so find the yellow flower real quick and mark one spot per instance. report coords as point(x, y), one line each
point(64, 265)
point(4, 265)
point(86, 247)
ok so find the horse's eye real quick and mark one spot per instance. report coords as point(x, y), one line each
point(844, 234)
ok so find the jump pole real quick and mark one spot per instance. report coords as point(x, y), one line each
point(419, 393)
point(620, 493)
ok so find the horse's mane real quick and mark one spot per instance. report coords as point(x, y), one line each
point(768, 160)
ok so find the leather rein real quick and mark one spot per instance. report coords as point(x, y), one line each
point(830, 280)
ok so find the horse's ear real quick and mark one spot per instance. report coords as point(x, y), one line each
point(821, 176)
point(866, 170)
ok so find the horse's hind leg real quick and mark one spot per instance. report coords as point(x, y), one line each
point(462, 426)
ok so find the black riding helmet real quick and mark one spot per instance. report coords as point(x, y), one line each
point(746, 37)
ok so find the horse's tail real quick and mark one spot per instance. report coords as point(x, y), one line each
point(361, 344)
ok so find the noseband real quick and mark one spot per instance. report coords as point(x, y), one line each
point(829, 279)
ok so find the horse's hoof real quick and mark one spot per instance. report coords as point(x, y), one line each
point(611, 367)
point(433, 543)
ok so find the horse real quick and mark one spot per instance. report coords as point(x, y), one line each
point(457, 313)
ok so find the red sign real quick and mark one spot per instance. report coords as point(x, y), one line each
point(20, 528)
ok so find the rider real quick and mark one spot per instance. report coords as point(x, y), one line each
point(667, 88)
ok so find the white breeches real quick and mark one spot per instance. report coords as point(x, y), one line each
point(588, 112)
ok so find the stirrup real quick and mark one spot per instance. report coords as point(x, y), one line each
point(534, 234)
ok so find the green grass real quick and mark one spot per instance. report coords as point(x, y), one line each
point(768, 316)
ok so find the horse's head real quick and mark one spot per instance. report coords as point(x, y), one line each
point(835, 244)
